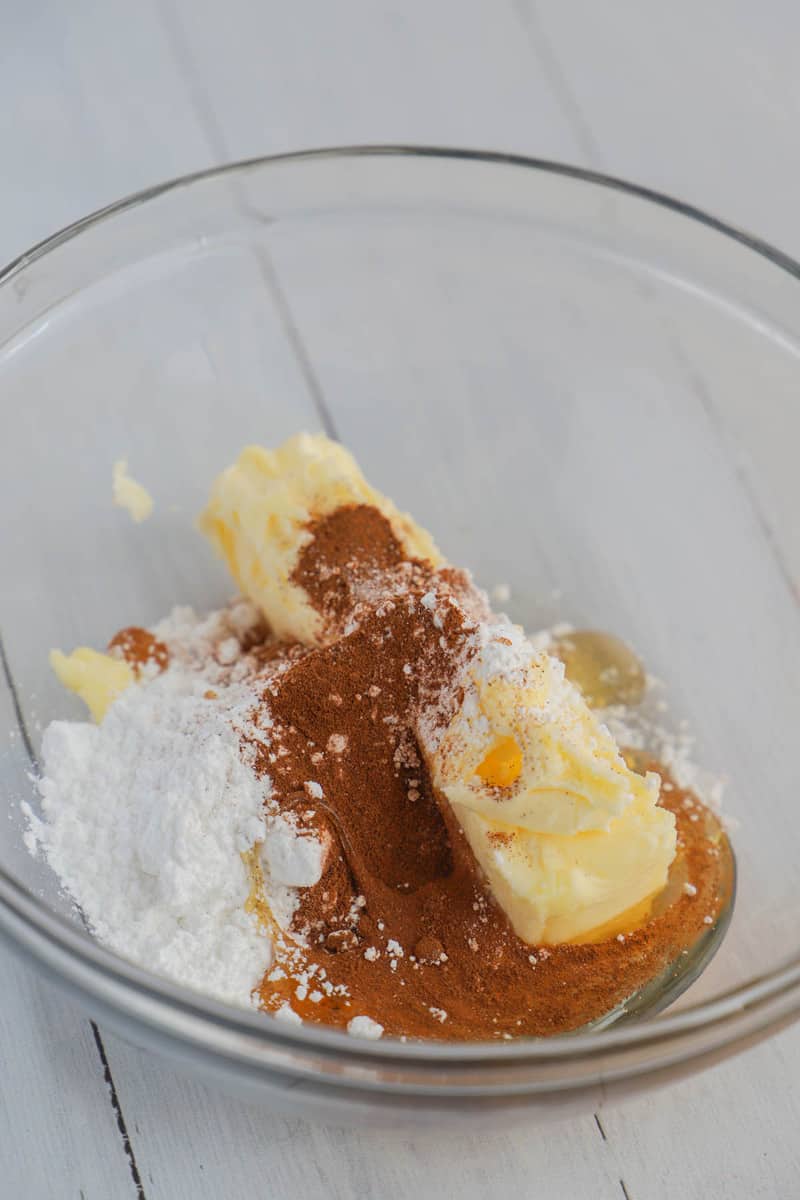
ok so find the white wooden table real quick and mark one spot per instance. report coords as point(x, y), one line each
point(99, 99)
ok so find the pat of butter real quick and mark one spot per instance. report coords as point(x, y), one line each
point(97, 678)
point(129, 494)
point(557, 888)
point(259, 513)
point(571, 838)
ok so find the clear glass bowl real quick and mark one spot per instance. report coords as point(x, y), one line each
point(588, 391)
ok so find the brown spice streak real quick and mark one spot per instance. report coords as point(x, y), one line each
point(351, 546)
point(401, 873)
point(138, 647)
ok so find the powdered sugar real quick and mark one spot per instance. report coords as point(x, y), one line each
point(286, 1013)
point(145, 817)
point(648, 727)
point(293, 859)
point(364, 1027)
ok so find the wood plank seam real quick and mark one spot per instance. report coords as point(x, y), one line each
point(113, 1097)
point(528, 17)
point(566, 97)
point(21, 724)
point(700, 387)
point(706, 400)
point(296, 342)
point(118, 1113)
point(217, 144)
point(570, 106)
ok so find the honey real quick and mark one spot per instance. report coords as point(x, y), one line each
point(604, 668)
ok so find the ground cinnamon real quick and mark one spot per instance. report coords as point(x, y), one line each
point(139, 647)
point(401, 926)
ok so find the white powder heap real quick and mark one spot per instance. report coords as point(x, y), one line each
point(291, 858)
point(145, 820)
point(648, 727)
point(364, 1027)
point(145, 817)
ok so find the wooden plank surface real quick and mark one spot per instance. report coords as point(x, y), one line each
point(54, 1101)
point(193, 1141)
point(270, 77)
point(724, 1133)
point(93, 108)
point(102, 100)
point(699, 100)
point(59, 1127)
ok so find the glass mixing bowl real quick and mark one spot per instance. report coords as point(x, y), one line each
point(588, 391)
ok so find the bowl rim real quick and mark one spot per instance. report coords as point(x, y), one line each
point(85, 962)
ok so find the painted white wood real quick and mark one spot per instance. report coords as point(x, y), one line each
point(58, 1131)
point(92, 108)
point(273, 77)
point(699, 100)
point(729, 1131)
point(102, 100)
point(196, 1142)
point(703, 103)
point(54, 1102)
point(768, 467)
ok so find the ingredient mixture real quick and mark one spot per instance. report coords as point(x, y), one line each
point(358, 796)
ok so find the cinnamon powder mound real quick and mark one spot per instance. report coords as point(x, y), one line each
point(352, 560)
point(401, 926)
point(340, 718)
point(139, 647)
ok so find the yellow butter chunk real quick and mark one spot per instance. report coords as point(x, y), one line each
point(556, 888)
point(97, 678)
point(568, 837)
point(258, 519)
point(129, 494)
